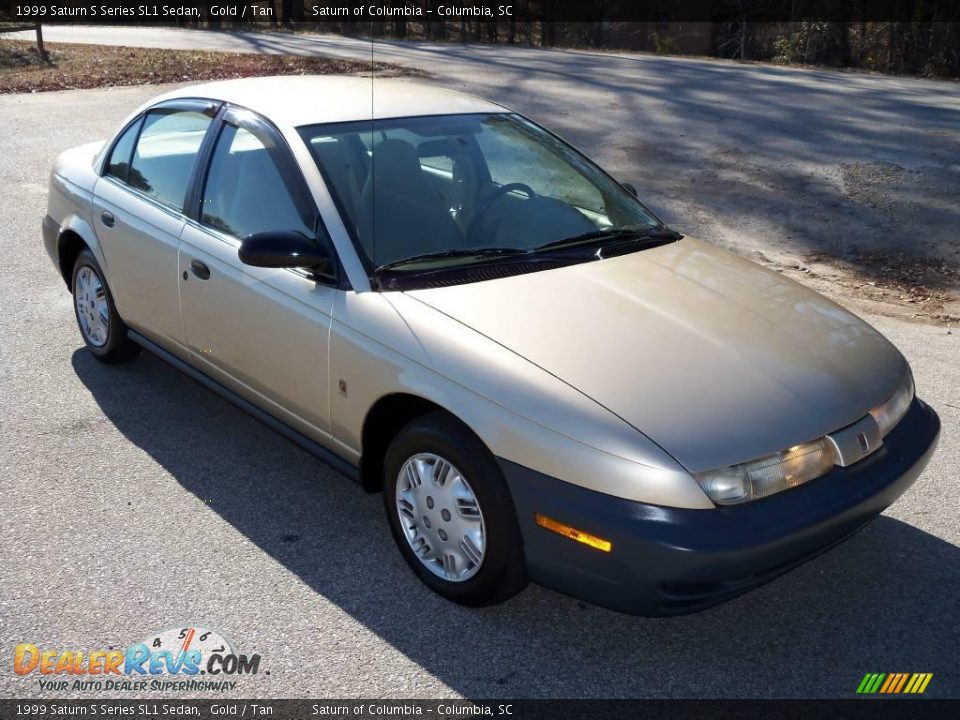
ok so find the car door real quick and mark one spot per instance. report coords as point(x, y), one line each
point(262, 332)
point(138, 207)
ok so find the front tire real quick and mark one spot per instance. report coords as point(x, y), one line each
point(103, 331)
point(451, 513)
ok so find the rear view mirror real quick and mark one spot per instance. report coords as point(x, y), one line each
point(629, 188)
point(284, 249)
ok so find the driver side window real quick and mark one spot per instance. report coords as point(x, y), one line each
point(247, 192)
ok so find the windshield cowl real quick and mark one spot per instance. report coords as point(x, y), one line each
point(594, 245)
point(519, 263)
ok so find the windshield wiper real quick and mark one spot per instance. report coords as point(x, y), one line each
point(593, 237)
point(483, 252)
point(661, 232)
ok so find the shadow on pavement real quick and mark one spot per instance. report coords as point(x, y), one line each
point(884, 601)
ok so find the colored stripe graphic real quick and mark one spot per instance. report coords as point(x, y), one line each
point(870, 683)
point(894, 683)
point(891, 679)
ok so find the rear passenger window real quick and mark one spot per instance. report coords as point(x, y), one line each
point(246, 192)
point(165, 154)
point(119, 162)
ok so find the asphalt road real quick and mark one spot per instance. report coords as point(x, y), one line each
point(135, 501)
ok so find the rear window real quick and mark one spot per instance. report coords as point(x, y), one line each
point(119, 163)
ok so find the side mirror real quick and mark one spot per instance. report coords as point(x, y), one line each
point(284, 249)
point(629, 188)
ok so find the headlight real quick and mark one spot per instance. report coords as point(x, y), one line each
point(801, 463)
point(768, 475)
point(893, 410)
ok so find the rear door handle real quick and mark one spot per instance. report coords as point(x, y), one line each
point(199, 269)
point(107, 218)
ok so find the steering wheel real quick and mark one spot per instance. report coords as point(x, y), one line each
point(490, 200)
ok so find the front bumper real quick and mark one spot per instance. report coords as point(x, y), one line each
point(669, 561)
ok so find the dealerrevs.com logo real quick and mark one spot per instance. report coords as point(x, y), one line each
point(188, 658)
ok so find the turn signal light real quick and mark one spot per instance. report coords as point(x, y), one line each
point(571, 532)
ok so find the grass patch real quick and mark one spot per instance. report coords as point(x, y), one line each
point(72, 66)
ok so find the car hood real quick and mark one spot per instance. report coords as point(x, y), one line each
point(712, 357)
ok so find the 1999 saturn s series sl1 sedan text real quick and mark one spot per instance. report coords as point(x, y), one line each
point(453, 306)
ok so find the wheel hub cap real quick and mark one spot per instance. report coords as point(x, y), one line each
point(440, 517)
point(90, 299)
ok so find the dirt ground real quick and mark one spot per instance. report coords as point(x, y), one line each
point(919, 282)
point(74, 66)
point(887, 237)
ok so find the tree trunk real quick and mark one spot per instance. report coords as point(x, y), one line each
point(40, 48)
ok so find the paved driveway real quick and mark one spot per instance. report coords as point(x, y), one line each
point(134, 500)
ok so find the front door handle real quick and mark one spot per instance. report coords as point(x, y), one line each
point(107, 218)
point(199, 269)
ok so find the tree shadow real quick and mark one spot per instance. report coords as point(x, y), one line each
point(887, 600)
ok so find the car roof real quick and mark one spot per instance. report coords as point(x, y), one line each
point(311, 99)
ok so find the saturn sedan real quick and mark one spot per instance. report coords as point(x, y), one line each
point(456, 308)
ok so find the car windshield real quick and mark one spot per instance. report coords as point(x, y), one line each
point(435, 192)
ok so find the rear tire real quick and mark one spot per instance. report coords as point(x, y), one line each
point(103, 331)
point(451, 513)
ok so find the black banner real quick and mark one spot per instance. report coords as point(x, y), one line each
point(865, 709)
point(193, 12)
